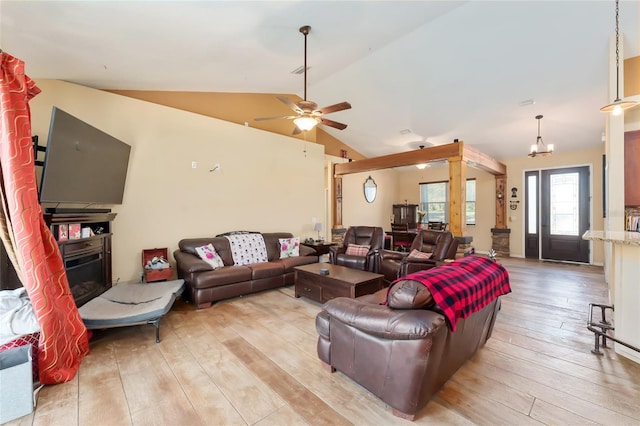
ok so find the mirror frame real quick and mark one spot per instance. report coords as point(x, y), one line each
point(370, 189)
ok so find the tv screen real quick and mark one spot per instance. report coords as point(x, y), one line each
point(82, 164)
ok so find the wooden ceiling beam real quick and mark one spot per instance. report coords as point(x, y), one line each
point(450, 152)
point(409, 158)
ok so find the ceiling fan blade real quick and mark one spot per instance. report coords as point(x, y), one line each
point(296, 130)
point(335, 108)
point(290, 104)
point(285, 117)
point(334, 124)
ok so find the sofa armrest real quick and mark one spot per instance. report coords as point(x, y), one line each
point(392, 255)
point(188, 263)
point(384, 322)
point(334, 251)
point(307, 251)
point(410, 266)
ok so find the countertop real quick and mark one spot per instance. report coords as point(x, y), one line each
point(617, 237)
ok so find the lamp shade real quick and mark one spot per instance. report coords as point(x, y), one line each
point(317, 227)
point(305, 123)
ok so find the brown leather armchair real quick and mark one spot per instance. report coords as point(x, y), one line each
point(394, 264)
point(402, 355)
point(371, 236)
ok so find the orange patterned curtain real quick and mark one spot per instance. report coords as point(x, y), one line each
point(34, 251)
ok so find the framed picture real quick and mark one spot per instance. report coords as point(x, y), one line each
point(74, 231)
point(63, 232)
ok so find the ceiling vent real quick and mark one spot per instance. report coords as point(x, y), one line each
point(300, 70)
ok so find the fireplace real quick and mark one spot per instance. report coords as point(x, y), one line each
point(86, 277)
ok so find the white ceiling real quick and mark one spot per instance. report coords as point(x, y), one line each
point(442, 69)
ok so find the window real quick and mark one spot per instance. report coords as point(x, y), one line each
point(471, 202)
point(434, 200)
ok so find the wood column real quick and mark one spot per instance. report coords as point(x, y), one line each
point(337, 205)
point(501, 204)
point(457, 197)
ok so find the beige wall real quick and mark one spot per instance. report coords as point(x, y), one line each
point(267, 182)
point(356, 210)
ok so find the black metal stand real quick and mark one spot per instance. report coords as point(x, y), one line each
point(602, 327)
point(156, 324)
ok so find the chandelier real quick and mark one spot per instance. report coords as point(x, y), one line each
point(539, 148)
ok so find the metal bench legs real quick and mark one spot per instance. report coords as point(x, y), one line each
point(602, 327)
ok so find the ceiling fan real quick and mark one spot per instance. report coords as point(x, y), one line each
point(308, 115)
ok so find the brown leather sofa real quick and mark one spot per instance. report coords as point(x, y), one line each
point(395, 264)
point(403, 356)
point(371, 236)
point(206, 285)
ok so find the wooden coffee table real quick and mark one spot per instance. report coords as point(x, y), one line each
point(341, 282)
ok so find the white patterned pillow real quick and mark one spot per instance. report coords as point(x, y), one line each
point(247, 248)
point(289, 247)
point(209, 255)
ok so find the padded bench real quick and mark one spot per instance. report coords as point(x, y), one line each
point(131, 304)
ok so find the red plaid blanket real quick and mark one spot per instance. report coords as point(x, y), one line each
point(464, 286)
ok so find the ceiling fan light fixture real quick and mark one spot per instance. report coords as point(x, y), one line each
point(422, 166)
point(305, 123)
point(617, 106)
point(539, 149)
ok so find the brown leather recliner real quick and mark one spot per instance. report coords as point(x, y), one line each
point(395, 264)
point(403, 356)
point(371, 236)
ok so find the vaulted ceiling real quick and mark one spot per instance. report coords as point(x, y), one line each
point(478, 71)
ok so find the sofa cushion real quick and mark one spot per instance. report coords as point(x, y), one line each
point(289, 247)
point(265, 270)
point(209, 255)
point(357, 250)
point(409, 294)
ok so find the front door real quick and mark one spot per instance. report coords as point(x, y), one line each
point(555, 228)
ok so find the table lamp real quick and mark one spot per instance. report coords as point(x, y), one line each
point(318, 228)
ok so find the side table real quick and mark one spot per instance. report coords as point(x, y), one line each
point(321, 247)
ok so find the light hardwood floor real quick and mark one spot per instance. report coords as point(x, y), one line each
point(252, 361)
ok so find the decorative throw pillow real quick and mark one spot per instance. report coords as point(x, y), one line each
point(289, 247)
point(409, 294)
point(419, 255)
point(209, 255)
point(357, 250)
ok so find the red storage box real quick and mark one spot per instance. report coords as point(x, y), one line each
point(151, 275)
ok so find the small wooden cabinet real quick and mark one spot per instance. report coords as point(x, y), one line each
point(405, 213)
point(152, 275)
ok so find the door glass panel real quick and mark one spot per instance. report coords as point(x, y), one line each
point(565, 203)
point(532, 204)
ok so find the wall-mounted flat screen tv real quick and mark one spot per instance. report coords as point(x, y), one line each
point(82, 164)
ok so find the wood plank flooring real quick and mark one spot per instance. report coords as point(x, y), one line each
point(252, 361)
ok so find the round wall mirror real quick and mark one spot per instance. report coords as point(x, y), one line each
point(370, 189)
